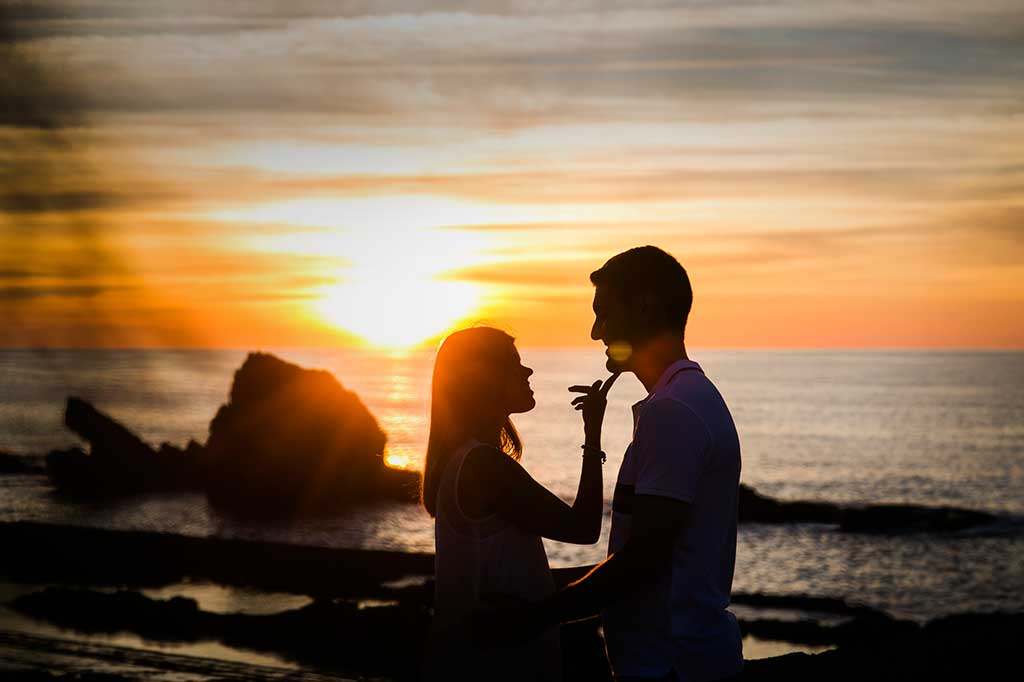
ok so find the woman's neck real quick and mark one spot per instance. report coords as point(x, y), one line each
point(490, 432)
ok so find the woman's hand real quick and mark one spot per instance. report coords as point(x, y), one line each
point(593, 403)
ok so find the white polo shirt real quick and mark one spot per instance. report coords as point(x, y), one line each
point(684, 447)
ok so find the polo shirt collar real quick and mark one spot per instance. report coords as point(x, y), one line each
point(664, 380)
point(670, 372)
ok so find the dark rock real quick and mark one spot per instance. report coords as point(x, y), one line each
point(910, 518)
point(18, 464)
point(332, 634)
point(118, 461)
point(963, 647)
point(869, 627)
point(109, 441)
point(388, 639)
point(294, 440)
point(801, 602)
point(756, 508)
point(33, 552)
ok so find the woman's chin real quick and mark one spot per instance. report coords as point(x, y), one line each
point(527, 405)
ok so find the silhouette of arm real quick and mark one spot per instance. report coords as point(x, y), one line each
point(670, 448)
point(497, 483)
point(514, 495)
point(657, 522)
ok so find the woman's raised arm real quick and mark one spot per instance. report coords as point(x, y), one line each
point(511, 492)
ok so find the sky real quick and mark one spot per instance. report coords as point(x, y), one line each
point(308, 173)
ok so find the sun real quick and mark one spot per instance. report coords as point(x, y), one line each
point(396, 310)
point(394, 261)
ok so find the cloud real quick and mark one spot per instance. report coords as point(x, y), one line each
point(417, 62)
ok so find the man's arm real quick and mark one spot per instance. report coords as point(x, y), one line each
point(656, 523)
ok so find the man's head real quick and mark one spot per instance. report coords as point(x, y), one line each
point(640, 295)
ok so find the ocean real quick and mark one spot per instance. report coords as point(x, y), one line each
point(927, 428)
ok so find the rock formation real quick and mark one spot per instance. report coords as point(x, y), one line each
point(118, 461)
point(18, 464)
point(883, 518)
point(294, 440)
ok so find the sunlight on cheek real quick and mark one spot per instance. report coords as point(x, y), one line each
point(393, 311)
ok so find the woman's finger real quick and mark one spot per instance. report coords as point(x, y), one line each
point(581, 389)
point(608, 383)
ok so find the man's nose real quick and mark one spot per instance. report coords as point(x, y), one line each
point(595, 331)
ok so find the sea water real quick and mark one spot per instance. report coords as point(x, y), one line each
point(928, 428)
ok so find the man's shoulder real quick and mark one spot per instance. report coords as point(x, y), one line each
point(693, 389)
point(669, 413)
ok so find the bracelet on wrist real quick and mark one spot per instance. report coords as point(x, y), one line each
point(591, 451)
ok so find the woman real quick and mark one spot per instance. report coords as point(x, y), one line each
point(490, 514)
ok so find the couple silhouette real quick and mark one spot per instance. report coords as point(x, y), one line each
point(664, 589)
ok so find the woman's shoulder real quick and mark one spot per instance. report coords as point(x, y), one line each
point(483, 467)
point(487, 459)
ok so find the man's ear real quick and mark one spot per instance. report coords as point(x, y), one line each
point(643, 309)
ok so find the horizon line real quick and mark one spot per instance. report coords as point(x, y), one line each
point(568, 347)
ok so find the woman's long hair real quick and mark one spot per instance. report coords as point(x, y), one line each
point(472, 367)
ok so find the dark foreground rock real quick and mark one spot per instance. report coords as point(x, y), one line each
point(389, 638)
point(294, 440)
point(334, 632)
point(337, 635)
point(962, 647)
point(45, 552)
point(36, 658)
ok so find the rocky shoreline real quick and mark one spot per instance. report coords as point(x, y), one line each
point(293, 442)
point(368, 610)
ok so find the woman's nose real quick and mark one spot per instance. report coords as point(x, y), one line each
point(528, 371)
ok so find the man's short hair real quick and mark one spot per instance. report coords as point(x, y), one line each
point(646, 273)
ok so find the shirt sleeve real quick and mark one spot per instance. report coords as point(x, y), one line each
point(672, 445)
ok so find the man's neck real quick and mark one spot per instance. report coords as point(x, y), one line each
point(650, 362)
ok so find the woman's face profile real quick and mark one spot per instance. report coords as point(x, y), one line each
point(518, 394)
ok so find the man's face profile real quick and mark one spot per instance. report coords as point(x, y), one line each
point(611, 327)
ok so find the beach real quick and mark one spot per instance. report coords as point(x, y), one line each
point(181, 586)
point(364, 615)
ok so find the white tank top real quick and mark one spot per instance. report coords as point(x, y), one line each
point(486, 562)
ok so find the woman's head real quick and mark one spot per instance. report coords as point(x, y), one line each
point(478, 382)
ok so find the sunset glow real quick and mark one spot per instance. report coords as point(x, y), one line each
point(392, 310)
point(831, 175)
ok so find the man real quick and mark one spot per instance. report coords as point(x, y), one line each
point(665, 586)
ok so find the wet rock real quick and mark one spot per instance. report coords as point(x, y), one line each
point(340, 635)
point(82, 555)
point(294, 440)
point(389, 639)
point(964, 647)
